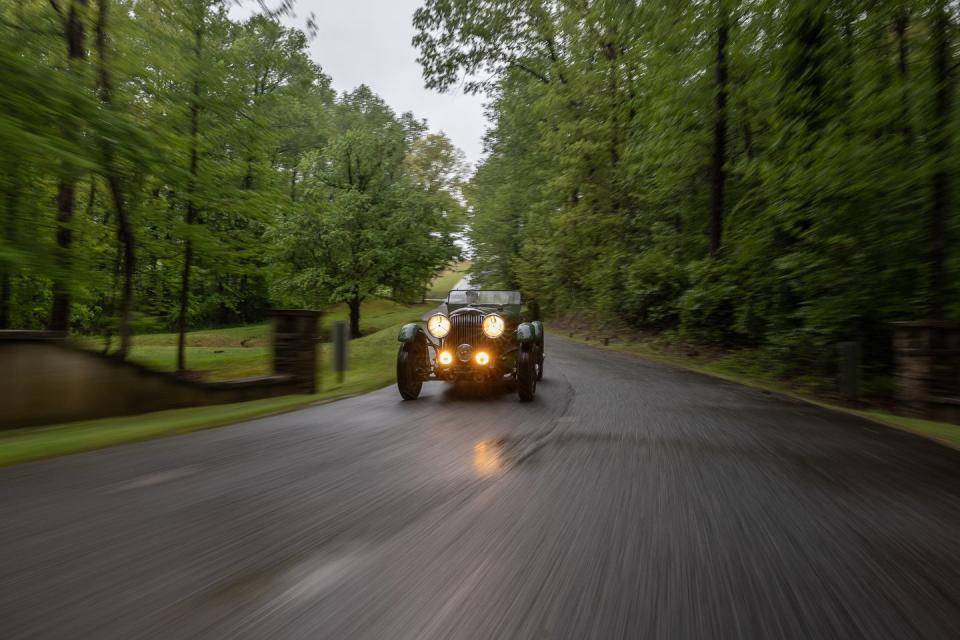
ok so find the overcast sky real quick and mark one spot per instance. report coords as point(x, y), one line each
point(368, 42)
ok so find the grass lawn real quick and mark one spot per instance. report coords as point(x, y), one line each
point(446, 280)
point(34, 443)
point(231, 353)
point(734, 369)
point(372, 365)
point(238, 352)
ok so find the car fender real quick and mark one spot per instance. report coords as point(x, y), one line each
point(538, 330)
point(410, 331)
point(527, 333)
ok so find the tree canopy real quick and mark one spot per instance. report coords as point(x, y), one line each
point(168, 165)
point(776, 175)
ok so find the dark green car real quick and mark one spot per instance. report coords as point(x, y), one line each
point(476, 336)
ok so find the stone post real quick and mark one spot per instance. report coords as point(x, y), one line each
point(295, 346)
point(928, 369)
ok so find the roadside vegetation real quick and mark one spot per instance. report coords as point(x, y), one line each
point(237, 352)
point(740, 366)
point(233, 352)
point(766, 177)
point(36, 443)
point(184, 164)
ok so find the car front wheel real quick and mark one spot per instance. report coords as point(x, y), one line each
point(526, 375)
point(409, 360)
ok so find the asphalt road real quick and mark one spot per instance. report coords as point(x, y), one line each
point(629, 500)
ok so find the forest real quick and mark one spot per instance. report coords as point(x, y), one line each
point(772, 176)
point(168, 165)
point(775, 177)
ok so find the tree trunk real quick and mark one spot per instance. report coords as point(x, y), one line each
point(719, 159)
point(126, 239)
point(60, 311)
point(73, 35)
point(191, 214)
point(940, 147)
point(901, 22)
point(354, 305)
point(184, 298)
point(115, 182)
point(9, 236)
point(6, 290)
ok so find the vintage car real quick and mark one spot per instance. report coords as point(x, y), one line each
point(477, 336)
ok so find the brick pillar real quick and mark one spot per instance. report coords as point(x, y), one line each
point(928, 369)
point(295, 346)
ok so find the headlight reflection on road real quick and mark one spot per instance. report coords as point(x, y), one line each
point(486, 458)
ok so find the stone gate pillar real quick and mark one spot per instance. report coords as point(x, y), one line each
point(928, 369)
point(295, 346)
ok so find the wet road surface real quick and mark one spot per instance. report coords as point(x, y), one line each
point(629, 500)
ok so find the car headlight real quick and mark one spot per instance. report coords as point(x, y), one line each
point(493, 326)
point(438, 325)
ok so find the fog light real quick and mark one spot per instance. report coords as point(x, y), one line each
point(482, 358)
point(445, 357)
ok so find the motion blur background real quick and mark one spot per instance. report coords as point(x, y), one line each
point(193, 191)
point(766, 178)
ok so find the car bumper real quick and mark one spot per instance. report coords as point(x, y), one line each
point(466, 373)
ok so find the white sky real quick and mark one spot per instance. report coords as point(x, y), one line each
point(369, 42)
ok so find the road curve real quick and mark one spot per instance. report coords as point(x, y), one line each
point(629, 500)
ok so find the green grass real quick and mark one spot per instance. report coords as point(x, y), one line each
point(447, 280)
point(22, 445)
point(231, 353)
point(740, 370)
point(372, 362)
point(238, 352)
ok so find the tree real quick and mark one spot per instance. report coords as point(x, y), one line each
point(366, 224)
point(719, 158)
point(115, 181)
point(941, 187)
point(73, 29)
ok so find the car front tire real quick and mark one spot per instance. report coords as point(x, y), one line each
point(409, 360)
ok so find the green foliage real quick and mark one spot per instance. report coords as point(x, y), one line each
point(378, 211)
point(213, 132)
point(595, 193)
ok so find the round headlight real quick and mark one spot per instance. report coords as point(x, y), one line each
point(493, 326)
point(438, 325)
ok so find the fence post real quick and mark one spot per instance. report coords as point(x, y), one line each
point(340, 337)
point(295, 346)
point(849, 369)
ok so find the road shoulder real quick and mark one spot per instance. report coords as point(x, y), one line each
point(942, 433)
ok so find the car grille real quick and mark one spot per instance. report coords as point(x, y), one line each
point(466, 328)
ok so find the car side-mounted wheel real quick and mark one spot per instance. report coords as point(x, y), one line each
point(526, 375)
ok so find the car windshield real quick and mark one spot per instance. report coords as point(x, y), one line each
point(478, 297)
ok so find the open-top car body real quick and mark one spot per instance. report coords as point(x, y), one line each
point(476, 336)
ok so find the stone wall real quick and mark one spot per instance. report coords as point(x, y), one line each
point(928, 369)
point(295, 346)
point(44, 379)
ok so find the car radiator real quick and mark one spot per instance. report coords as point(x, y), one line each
point(466, 328)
